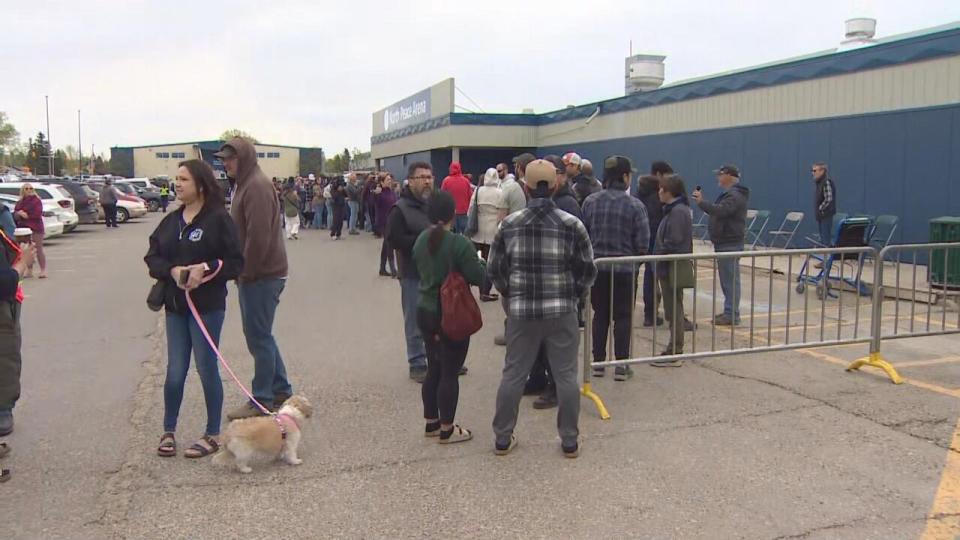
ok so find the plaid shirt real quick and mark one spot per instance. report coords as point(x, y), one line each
point(541, 260)
point(617, 224)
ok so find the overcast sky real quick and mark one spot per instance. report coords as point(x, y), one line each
point(311, 73)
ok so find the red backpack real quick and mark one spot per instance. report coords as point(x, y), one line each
point(459, 313)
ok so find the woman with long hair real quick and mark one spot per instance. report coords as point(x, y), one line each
point(194, 250)
point(436, 252)
point(29, 213)
point(385, 197)
point(485, 203)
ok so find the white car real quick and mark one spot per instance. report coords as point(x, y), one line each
point(52, 226)
point(143, 183)
point(129, 210)
point(55, 198)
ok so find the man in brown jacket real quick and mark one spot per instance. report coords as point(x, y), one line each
point(256, 211)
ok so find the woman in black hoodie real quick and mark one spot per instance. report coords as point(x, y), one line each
point(197, 250)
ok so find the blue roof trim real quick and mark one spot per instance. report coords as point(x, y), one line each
point(902, 51)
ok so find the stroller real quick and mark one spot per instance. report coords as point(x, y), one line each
point(851, 232)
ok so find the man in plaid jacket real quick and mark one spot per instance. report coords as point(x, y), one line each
point(541, 261)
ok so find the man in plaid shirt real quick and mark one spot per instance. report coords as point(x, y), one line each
point(618, 227)
point(541, 261)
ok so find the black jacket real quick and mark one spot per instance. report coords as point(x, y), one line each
point(675, 234)
point(648, 193)
point(211, 237)
point(9, 278)
point(820, 195)
point(404, 224)
point(584, 186)
point(566, 201)
point(728, 216)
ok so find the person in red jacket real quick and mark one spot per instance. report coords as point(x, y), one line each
point(461, 189)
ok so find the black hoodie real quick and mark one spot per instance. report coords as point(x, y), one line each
point(211, 238)
point(404, 224)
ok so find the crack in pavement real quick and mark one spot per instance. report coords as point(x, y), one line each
point(117, 493)
point(857, 521)
point(892, 426)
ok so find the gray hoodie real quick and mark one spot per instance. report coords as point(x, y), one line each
point(728, 216)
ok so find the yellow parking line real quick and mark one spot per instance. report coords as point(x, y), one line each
point(943, 521)
point(913, 382)
point(933, 362)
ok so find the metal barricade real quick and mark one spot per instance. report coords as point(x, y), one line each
point(756, 332)
point(907, 321)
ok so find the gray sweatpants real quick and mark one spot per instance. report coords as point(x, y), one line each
point(561, 337)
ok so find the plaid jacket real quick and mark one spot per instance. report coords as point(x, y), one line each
point(617, 224)
point(541, 260)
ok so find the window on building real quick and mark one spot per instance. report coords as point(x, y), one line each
point(273, 154)
point(163, 155)
point(178, 155)
point(260, 155)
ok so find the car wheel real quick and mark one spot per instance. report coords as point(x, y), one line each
point(154, 206)
point(122, 215)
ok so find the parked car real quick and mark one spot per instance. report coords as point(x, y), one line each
point(52, 226)
point(150, 196)
point(144, 183)
point(84, 199)
point(62, 203)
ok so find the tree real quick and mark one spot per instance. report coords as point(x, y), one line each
point(37, 153)
point(335, 164)
point(234, 133)
point(311, 161)
point(9, 138)
point(345, 160)
point(100, 166)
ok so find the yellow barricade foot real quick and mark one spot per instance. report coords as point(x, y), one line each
point(588, 392)
point(877, 361)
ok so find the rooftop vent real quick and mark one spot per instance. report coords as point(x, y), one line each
point(643, 73)
point(859, 33)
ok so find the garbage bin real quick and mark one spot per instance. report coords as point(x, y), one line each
point(945, 229)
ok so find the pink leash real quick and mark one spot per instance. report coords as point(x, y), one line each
point(216, 350)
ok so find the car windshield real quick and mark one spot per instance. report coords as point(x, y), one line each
point(63, 191)
point(125, 188)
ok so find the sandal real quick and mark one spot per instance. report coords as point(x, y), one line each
point(198, 450)
point(4, 450)
point(168, 445)
point(4, 475)
point(459, 435)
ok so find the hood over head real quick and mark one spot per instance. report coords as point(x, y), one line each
point(491, 178)
point(246, 157)
point(456, 169)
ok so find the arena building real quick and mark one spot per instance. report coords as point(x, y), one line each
point(883, 113)
point(162, 159)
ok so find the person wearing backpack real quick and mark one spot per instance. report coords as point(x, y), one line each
point(438, 253)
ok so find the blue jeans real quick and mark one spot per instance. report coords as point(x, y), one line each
point(258, 306)
point(317, 217)
point(329, 215)
point(460, 223)
point(729, 270)
point(354, 214)
point(409, 297)
point(184, 336)
point(825, 226)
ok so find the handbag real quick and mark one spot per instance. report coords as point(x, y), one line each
point(157, 295)
point(682, 274)
point(459, 313)
point(473, 219)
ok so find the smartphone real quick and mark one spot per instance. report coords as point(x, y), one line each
point(699, 188)
point(184, 276)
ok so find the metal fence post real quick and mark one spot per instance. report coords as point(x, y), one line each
point(875, 359)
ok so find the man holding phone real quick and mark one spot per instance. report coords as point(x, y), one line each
point(728, 224)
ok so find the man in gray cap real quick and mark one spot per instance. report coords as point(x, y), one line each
point(256, 210)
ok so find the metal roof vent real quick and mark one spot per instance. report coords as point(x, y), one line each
point(859, 33)
point(643, 73)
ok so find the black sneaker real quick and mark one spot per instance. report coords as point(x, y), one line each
point(504, 449)
point(622, 373)
point(547, 400)
point(571, 452)
point(384, 273)
point(648, 323)
point(688, 325)
point(599, 372)
point(418, 374)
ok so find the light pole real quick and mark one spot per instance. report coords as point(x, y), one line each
point(49, 144)
point(79, 147)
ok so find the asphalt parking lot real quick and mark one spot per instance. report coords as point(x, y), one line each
point(774, 445)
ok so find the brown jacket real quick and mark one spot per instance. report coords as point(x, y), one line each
point(256, 211)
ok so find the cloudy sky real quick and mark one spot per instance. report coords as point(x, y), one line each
point(312, 72)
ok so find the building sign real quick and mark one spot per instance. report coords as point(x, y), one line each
point(410, 111)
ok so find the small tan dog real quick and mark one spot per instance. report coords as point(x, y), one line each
point(260, 438)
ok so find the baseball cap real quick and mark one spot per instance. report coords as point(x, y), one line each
point(226, 151)
point(572, 158)
point(614, 167)
point(557, 162)
point(732, 170)
point(524, 159)
point(541, 170)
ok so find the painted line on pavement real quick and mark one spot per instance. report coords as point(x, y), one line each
point(933, 362)
point(943, 520)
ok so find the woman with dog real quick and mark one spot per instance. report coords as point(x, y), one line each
point(194, 250)
point(436, 252)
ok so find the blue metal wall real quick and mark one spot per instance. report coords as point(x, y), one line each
point(905, 163)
